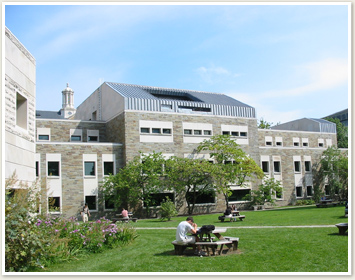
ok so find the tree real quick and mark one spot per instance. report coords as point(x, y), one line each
point(266, 192)
point(233, 166)
point(190, 178)
point(136, 182)
point(333, 172)
point(167, 209)
point(342, 132)
point(264, 124)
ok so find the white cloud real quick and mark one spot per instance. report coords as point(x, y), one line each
point(215, 74)
point(321, 75)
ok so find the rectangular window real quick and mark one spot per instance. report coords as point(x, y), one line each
point(89, 167)
point(277, 167)
point(296, 144)
point(91, 201)
point(201, 197)
point(156, 130)
point(75, 138)
point(166, 131)
point(145, 130)
point(43, 137)
point(268, 143)
point(93, 138)
point(299, 191)
point(207, 132)
point(21, 111)
point(225, 132)
point(278, 143)
point(309, 190)
point(187, 131)
point(156, 199)
point(243, 134)
point(54, 204)
point(239, 195)
point(307, 166)
point(53, 168)
point(108, 168)
point(37, 169)
point(197, 132)
point(235, 133)
point(297, 165)
point(265, 166)
point(109, 202)
point(279, 194)
point(305, 144)
point(320, 144)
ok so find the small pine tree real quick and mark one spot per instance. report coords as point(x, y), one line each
point(168, 209)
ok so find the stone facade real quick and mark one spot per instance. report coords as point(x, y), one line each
point(19, 105)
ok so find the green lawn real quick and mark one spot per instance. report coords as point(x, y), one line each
point(302, 249)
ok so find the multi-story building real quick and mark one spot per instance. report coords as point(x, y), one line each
point(129, 119)
point(72, 150)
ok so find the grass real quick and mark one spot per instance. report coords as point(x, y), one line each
point(304, 249)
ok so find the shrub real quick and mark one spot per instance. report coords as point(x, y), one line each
point(168, 209)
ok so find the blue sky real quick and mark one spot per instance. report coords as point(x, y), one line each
point(287, 61)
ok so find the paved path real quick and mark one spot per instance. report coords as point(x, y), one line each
point(307, 226)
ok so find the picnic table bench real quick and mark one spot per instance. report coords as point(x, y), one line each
point(213, 245)
point(326, 203)
point(343, 227)
point(233, 218)
point(124, 220)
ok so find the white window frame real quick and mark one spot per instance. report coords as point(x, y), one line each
point(74, 132)
point(43, 131)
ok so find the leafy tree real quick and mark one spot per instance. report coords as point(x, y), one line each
point(266, 192)
point(233, 166)
point(342, 132)
point(264, 124)
point(190, 178)
point(136, 182)
point(333, 171)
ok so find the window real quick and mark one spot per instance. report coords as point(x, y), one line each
point(277, 167)
point(145, 130)
point(93, 138)
point(309, 190)
point(156, 199)
point(268, 143)
point(278, 143)
point(296, 141)
point(297, 165)
point(279, 194)
point(109, 202)
point(43, 137)
point(188, 131)
point(225, 132)
point(53, 168)
point(327, 190)
point(320, 144)
point(239, 195)
point(265, 166)
point(37, 169)
point(299, 191)
point(243, 134)
point(21, 111)
point(75, 138)
point(296, 144)
point(207, 132)
point(54, 204)
point(91, 201)
point(235, 133)
point(166, 131)
point(197, 132)
point(201, 197)
point(108, 168)
point(156, 130)
point(307, 166)
point(89, 167)
point(305, 144)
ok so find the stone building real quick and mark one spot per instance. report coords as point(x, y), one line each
point(19, 110)
point(118, 120)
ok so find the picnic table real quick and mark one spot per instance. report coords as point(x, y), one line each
point(326, 203)
point(235, 215)
point(208, 242)
point(122, 219)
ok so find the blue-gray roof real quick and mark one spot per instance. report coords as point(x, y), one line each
point(157, 99)
point(147, 92)
point(48, 114)
point(308, 124)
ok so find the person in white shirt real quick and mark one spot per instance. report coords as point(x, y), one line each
point(183, 229)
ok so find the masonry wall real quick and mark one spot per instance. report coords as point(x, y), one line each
point(19, 106)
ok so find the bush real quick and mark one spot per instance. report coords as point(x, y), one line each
point(34, 240)
point(168, 209)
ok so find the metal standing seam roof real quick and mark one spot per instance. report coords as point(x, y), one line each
point(145, 92)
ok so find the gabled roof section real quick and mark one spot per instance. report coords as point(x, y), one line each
point(180, 101)
point(308, 124)
point(147, 92)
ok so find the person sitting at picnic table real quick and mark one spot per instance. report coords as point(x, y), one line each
point(183, 229)
point(228, 213)
point(124, 214)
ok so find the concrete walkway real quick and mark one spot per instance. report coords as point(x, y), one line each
point(307, 226)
